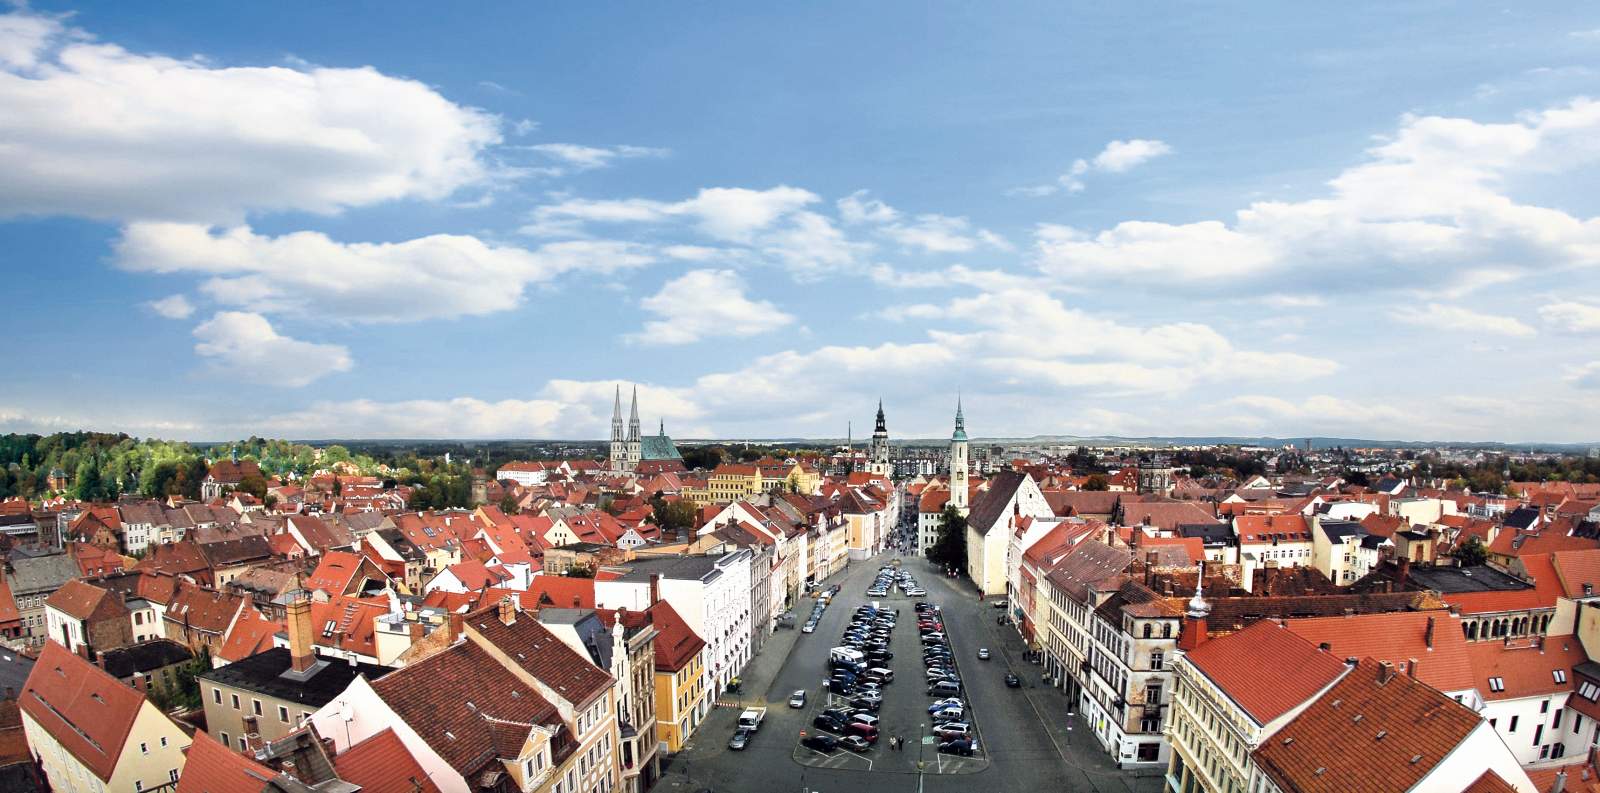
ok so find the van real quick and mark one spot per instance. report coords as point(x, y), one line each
point(880, 675)
point(944, 688)
point(846, 654)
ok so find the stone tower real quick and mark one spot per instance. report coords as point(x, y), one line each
point(880, 446)
point(634, 445)
point(619, 452)
point(958, 463)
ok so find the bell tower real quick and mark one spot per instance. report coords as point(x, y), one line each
point(958, 463)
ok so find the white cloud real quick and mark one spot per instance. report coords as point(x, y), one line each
point(1586, 376)
point(1117, 156)
point(1572, 316)
point(1593, 35)
point(956, 275)
point(172, 307)
point(858, 208)
point(1424, 210)
point(583, 158)
point(731, 214)
point(702, 304)
point(308, 274)
point(1455, 319)
point(92, 129)
point(1122, 155)
point(245, 346)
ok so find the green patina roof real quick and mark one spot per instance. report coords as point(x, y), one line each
point(658, 447)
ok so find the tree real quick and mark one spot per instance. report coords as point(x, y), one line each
point(950, 547)
point(1471, 553)
point(255, 485)
point(87, 485)
point(508, 504)
point(1096, 482)
point(706, 457)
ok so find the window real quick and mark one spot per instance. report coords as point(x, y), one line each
point(1513, 724)
point(172, 774)
point(138, 785)
point(1497, 684)
point(1538, 733)
point(1158, 661)
point(216, 695)
point(224, 739)
point(1560, 675)
point(144, 748)
point(1589, 691)
point(242, 745)
point(1544, 707)
point(283, 714)
point(235, 701)
point(255, 706)
point(163, 741)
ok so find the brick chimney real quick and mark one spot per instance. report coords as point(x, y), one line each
point(508, 611)
point(1427, 636)
point(655, 588)
point(1404, 575)
point(302, 656)
point(1385, 672)
point(1411, 667)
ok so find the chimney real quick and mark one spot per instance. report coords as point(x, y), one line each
point(1560, 785)
point(1427, 636)
point(508, 611)
point(1411, 668)
point(1405, 573)
point(1385, 672)
point(301, 655)
point(655, 588)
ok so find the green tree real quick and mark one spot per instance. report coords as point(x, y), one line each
point(255, 485)
point(950, 547)
point(87, 485)
point(1471, 553)
point(508, 504)
point(1096, 482)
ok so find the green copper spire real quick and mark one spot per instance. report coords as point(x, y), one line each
point(961, 424)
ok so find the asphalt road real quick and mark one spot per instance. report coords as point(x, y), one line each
point(1027, 744)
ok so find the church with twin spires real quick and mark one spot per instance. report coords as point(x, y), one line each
point(629, 449)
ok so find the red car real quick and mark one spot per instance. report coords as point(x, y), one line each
point(867, 732)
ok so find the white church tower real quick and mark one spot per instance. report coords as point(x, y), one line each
point(958, 463)
point(879, 450)
point(634, 444)
point(618, 450)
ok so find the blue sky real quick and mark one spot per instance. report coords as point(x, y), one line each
point(406, 221)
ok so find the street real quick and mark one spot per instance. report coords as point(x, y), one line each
point(1024, 733)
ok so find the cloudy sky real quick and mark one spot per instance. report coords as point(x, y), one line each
point(294, 220)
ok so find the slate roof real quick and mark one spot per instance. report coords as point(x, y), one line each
point(262, 673)
point(238, 550)
point(31, 575)
point(683, 568)
point(991, 504)
point(14, 669)
point(146, 656)
point(1363, 736)
point(1266, 669)
point(1090, 563)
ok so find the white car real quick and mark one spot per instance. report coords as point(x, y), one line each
point(798, 698)
point(810, 627)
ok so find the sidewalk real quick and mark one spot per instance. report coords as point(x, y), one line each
point(761, 673)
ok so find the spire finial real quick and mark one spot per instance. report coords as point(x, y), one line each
point(1198, 607)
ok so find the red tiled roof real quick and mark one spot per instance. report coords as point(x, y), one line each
point(1364, 736)
point(1397, 637)
point(382, 762)
point(203, 609)
point(560, 591)
point(1164, 514)
point(346, 623)
point(87, 711)
point(452, 699)
point(533, 647)
point(1524, 670)
point(84, 601)
point(334, 572)
point(250, 634)
point(210, 767)
point(229, 472)
point(1544, 593)
point(1490, 782)
point(1266, 668)
point(1263, 529)
point(1575, 569)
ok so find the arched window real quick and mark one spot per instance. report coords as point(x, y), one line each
point(1148, 630)
point(1166, 630)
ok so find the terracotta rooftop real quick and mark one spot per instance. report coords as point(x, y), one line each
point(1529, 668)
point(533, 647)
point(1398, 638)
point(210, 767)
point(1266, 669)
point(382, 762)
point(84, 601)
point(89, 712)
point(1365, 735)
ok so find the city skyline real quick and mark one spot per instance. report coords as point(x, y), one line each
point(313, 223)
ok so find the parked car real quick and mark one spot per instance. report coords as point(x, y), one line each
point(959, 746)
point(820, 743)
point(798, 698)
point(952, 713)
point(944, 703)
point(864, 718)
point(855, 743)
point(944, 688)
point(864, 730)
point(828, 723)
point(1000, 604)
point(983, 653)
point(952, 730)
point(809, 627)
point(839, 714)
point(740, 739)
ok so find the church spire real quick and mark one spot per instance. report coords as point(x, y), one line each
point(882, 428)
point(633, 417)
point(961, 423)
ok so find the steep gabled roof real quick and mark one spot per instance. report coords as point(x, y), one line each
point(533, 647)
point(90, 713)
point(1266, 669)
point(1398, 637)
point(991, 505)
point(1365, 735)
point(382, 762)
point(1530, 669)
point(210, 767)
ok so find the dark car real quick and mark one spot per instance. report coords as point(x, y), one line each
point(820, 743)
point(828, 723)
point(961, 746)
point(840, 687)
point(1012, 681)
point(837, 714)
